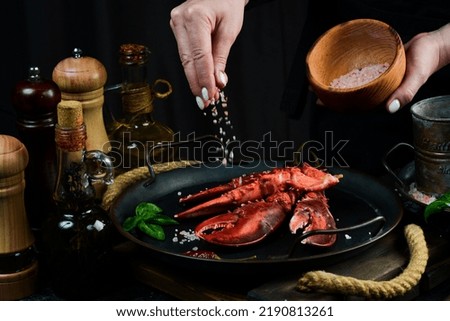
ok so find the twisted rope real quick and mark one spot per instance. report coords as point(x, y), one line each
point(411, 275)
point(126, 179)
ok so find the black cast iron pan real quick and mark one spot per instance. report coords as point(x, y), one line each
point(358, 198)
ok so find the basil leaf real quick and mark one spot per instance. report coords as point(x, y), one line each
point(152, 230)
point(149, 220)
point(130, 223)
point(162, 220)
point(147, 210)
point(437, 206)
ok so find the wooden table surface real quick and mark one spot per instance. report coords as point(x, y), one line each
point(383, 260)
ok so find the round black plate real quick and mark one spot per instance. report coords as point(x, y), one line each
point(356, 199)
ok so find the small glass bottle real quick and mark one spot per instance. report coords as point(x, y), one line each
point(78, 238)
point(137, 132)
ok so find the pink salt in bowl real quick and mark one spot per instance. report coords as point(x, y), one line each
point(356, 65)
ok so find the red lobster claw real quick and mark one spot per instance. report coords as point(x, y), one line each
point(220, 189)
point(226, 201)
point(312, 213)
point(247, 224)
point(257, 186)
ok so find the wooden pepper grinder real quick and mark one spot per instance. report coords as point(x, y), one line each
point(35, 100)
point(83, 78)
point(18, 263)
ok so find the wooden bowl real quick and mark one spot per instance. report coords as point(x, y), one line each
point(357, 46)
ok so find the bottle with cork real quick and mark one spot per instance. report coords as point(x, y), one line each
point(78, 238)
point(136, 131)
point(35, 99)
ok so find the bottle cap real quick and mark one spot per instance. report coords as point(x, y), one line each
point(70, 114)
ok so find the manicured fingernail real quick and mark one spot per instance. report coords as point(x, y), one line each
point(394, 106)
point(223, 78)
point(200, 102)
point(205, 94)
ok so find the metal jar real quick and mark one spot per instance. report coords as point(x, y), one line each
point(431, 133)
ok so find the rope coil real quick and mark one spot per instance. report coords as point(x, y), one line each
point(410, 277)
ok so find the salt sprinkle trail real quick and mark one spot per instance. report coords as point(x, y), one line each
point(225, 130)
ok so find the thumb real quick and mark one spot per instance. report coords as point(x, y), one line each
point(220, 56)
point(223, 41)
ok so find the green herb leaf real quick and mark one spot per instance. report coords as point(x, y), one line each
point(152, 230)
point(149, 220)
point(130, 223)
point(162, 220)
point(147, 210)
point(437, 206)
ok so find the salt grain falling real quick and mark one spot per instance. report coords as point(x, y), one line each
point(223, 124)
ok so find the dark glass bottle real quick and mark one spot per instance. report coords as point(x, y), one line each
point(78, 238)
point(35, 100)
point(136, 132)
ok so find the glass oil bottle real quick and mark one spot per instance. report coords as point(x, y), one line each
point(137, 132)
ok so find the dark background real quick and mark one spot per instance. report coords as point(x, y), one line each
point(43, 32)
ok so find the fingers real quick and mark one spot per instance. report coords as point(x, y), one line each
point(193, 34)
point(421, 60)
point(405, 92)
point(205, 30)
point(221, 50)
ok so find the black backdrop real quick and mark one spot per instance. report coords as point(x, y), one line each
point(43, 32)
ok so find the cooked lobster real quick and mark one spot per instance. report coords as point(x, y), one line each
point(249, 208)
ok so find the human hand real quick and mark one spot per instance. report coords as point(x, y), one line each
point(205, 30)
point(426, 53)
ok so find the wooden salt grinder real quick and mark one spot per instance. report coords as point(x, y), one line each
point(83, 79)
point(18, 266)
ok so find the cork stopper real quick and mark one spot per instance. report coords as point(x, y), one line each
point(133, 54)
point(70, 114)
